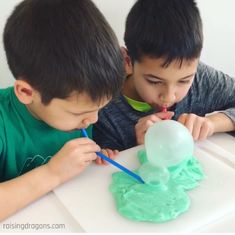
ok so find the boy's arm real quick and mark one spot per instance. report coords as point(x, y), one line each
point(19, 192)
point(212, 91)
point(71, 160)
point(203, 127)
point(216, 91)
point(221, 97)
point(221, 122)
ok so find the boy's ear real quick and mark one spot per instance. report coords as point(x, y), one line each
point(127, 61)
point(24, 91)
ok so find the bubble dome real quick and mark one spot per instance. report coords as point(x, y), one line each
point(168, 143)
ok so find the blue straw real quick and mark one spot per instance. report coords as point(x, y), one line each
point(114, 163)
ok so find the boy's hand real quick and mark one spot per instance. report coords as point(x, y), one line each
point(73, 158)
point(109, 153)
point(199, 127)
point(144, 123)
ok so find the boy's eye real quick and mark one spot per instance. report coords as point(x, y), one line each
point(154, 82)
point(76, 114)
point(184, 81)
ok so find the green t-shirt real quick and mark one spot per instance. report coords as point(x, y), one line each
point(25, 142)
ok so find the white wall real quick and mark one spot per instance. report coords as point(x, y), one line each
point(219, 34)
point(219, 31)
point(115, 12)
point(6, 78)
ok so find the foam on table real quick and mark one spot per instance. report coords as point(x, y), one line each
point(89, 201)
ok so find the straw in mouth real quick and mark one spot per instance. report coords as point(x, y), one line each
point(164, 110)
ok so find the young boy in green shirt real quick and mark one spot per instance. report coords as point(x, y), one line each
point(165, 79)
point(68, 65)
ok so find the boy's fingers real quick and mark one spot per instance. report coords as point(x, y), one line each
point(197, 128)
point(104, 151)
point(148, 124)
point(189, 123)
point(165, 115)
point(90, 157)
point(105, 162)
point(182, 118)
point(112, 153)
point(90, 148)
point(204, 132)
point(98, 161)
point(82, 140)
point(108, 153)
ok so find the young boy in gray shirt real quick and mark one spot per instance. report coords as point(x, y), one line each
point(165, 78)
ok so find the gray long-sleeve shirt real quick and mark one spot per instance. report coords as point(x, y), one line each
point(211, 91)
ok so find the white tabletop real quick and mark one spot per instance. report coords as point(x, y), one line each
point(42, 216)
point(48, 214)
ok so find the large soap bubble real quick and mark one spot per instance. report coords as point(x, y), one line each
point(168, 143)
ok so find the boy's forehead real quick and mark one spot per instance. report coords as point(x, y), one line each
point(83, 98)
point(154, 65)
point(159, 62)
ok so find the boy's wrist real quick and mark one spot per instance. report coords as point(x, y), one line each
point(220, 122)
point(52, 175)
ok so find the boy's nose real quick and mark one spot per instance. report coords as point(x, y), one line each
point(168, 98)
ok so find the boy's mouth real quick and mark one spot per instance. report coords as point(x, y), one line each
point(161, 107)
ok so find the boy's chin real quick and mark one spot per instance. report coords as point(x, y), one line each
point(71, 131)
point(66, 130)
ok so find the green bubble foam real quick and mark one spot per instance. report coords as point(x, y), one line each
point(143, 202)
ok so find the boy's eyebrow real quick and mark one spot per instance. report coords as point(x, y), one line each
point(84, 112)
point(159, 78)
